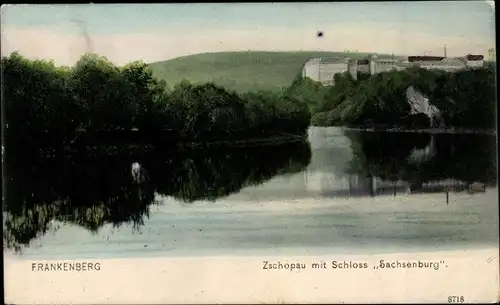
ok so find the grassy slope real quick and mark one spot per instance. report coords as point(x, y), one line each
point(240, 71)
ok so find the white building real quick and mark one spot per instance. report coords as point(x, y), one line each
point(324, 69)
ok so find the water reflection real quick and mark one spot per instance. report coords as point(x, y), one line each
point(416, 162)
point(92, 191)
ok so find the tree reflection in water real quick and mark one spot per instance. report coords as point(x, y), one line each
point(457, 161)
point(92, 191)
point(104, 189)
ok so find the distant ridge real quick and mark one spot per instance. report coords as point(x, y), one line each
point(241, 71)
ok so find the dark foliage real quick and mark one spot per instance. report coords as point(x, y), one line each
point(64, 109)
point(466, 98)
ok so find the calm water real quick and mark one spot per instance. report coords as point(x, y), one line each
point(339, 192)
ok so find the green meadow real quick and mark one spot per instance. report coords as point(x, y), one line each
point(240, 71)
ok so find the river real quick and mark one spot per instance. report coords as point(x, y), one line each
point(340, 192)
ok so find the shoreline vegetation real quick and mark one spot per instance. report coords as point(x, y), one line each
point(95, 103)
point(139, 149)
point(465, 98)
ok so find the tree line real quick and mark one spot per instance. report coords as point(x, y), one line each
point(48, 106)
point(466, 98)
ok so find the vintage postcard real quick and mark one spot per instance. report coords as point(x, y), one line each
point(250, 153)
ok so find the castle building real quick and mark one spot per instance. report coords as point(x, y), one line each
point(324, 69)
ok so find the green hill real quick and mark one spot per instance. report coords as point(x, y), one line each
point(240, 71)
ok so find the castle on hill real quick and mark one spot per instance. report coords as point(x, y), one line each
point(323, 69)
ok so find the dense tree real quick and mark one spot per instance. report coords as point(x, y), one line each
point(95, 103)
point(466, 98)
point(37, 105)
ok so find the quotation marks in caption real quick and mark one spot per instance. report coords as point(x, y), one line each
point(382, 264)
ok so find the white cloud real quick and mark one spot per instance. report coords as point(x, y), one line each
point(162, 44)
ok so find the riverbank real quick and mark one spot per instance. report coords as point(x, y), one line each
point(424, 130)
point(143, 148)
point(276, 140)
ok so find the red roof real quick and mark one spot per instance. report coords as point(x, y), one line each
point(474, 57)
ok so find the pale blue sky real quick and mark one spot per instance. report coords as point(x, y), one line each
point(446, 17)
point(469, 20)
